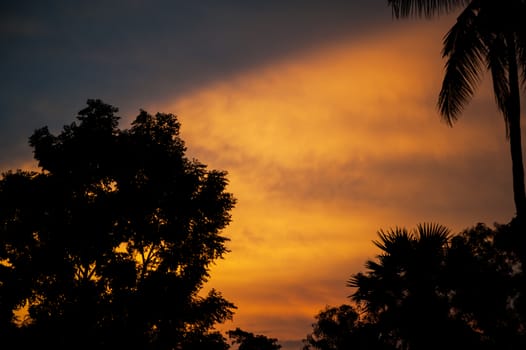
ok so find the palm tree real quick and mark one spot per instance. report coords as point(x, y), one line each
point(488, 35)
point(402, 293)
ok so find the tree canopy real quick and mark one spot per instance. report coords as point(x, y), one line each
point(110, 243)
point(342, 327)
point(250, 341)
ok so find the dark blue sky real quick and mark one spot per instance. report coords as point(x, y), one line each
point(57, 54)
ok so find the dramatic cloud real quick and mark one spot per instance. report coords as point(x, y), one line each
point(324, 148)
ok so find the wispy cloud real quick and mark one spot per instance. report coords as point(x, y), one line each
point(325, 148)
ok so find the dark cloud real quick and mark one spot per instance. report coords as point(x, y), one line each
point(57, 54)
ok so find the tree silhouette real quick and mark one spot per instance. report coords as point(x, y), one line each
point(428, 289)
point(109, 245)
point(250, 341)
point(341, 328)
point(402, 292)
point(488, 35)
point(486, 284)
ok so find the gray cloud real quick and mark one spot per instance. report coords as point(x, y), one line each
point(59, 53)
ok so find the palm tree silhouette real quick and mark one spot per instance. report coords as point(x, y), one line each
point(488, 35)
point(401, 289)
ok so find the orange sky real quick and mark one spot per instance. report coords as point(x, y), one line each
point(327, 146)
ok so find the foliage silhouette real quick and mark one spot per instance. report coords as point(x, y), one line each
point(109, 245)
point(486, 284)
point(250, 341)
point(399, 291)
point(428, 289)
point(342, 328)
point(487, 35)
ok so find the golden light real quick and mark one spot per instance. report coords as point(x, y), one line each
point(323, 149)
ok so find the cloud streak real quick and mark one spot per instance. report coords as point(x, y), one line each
point(325, 148)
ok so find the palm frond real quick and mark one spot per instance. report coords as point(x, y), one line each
point(423, 8)
point(392, 239)
point(427, 230)
point(373, 266)
point(521, 45)
point(356, 280)
point(498, 65)
point(522, 59)
point(465, 51)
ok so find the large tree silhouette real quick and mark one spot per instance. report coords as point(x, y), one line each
point(109, 245)
point(488, 35)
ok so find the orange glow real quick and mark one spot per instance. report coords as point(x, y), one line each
point(325, 148)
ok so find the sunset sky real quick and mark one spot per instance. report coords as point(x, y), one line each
point(322, 112)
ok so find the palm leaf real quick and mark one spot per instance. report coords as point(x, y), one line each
point(393, 240)
point(432, 238)
point(465, 51)
point(423, 8)
point(521, 44)
point(432, 231)
point(522, 56)
point(498, 65)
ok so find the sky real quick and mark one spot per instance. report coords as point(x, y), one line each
point(323, 113)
